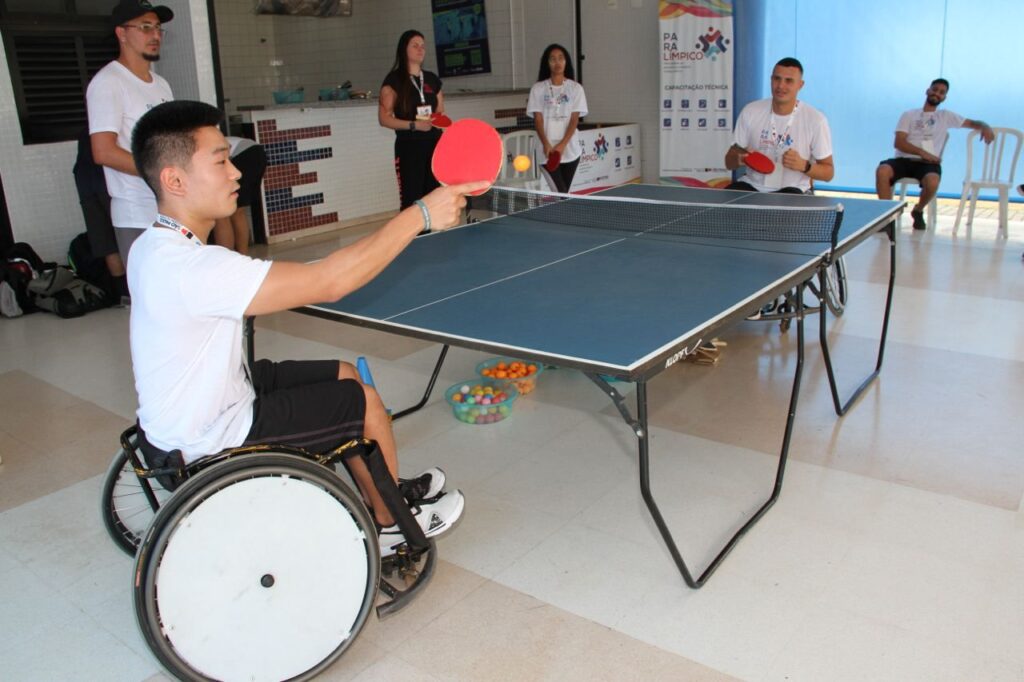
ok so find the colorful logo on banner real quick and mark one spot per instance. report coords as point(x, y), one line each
point(712, 43)
point(600, 146)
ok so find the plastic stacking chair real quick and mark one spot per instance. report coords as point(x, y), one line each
point(521, 142)
point(998, 163)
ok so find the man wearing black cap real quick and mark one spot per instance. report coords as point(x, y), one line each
point(118, 95)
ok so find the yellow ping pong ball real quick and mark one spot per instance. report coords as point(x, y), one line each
point(521, 163)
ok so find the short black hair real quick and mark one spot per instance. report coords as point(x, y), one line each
point(165, 136)
point(791, 63)
point(941, 81)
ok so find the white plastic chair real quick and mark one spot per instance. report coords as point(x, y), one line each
point(522, 142)
point(998, 165)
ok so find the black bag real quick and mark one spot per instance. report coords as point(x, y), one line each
point(19, 265)
point(60, 292)
point(87, 266)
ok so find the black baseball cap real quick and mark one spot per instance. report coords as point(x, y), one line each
point(126, 10)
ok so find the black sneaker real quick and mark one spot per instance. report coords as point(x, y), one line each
point(918, 217)
point(425, 486)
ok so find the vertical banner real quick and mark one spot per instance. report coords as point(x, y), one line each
point(460, 37)
point(696, 91)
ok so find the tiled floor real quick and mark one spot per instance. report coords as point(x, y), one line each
point(896, 550)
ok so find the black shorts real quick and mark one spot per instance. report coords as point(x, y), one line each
point(903, 167)
point(747, 187)
point(253, 164)
point(303, 404)
point(96, 212)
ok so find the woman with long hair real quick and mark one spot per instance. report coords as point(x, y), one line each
point(557, 103)
point(408, 97)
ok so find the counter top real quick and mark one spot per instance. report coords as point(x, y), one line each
point(454, 93)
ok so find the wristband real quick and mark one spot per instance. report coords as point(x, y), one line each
point(807, 168)
point(426, 215)
point(412, 125)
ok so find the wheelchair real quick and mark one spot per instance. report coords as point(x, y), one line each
point(258, 563)
point(831, 294)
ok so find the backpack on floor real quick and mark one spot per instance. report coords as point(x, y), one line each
point(19, 265)
point(87, 266)
point(60, 292)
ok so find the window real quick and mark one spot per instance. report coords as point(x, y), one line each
point(52, 55)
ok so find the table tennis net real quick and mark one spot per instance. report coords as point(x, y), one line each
point(656, 217)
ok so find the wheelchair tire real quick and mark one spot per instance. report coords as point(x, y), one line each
point(260, 567)
point(124, 507)
point(835, 287)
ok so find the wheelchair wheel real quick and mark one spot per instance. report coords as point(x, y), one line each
point(835, 287)
point(261, 567)
point(125, 509)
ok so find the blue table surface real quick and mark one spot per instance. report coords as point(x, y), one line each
point(591, 296)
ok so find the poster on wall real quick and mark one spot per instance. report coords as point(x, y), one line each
point(696, 91)
point(460, 37)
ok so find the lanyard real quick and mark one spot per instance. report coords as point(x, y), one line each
point(555, 103)
point(172, 224)
point(419, 86)
point(776, 139)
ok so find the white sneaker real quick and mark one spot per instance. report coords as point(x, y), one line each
point(435, 518)
point(425, 486)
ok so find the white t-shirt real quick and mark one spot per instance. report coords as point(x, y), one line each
point(927, 129)
point(116, 100)
point(805, 130)
point(188, 305)
point(557, 103)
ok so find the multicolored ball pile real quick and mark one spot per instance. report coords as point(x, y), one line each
point(481, 404)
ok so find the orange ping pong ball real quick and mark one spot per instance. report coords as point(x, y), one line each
point(521, 163)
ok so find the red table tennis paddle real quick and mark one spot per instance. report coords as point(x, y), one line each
point(759, 162)
point(469, 151)
point(554, 158)
point(439, 120)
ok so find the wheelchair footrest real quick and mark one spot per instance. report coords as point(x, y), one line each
point(403, 575)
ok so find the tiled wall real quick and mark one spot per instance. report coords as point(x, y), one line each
point(621, 77)
point(261, 53)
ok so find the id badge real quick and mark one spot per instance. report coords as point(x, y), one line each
point(774, 179)
point(423, 112)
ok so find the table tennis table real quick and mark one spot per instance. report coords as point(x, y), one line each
point(616, 302)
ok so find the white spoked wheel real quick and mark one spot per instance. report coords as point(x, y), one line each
point(262, 567)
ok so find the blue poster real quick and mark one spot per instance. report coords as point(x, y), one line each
point(460, 37)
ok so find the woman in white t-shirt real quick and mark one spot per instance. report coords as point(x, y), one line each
point(557, 103)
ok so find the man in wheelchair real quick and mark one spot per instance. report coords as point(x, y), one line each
point(197, 395)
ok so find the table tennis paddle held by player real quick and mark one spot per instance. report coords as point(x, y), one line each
point(439, 120)
point(759, 162)
point(469, 151)
point(554, 159)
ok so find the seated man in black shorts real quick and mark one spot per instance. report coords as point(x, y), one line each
point(196, 393)
point(920, 137)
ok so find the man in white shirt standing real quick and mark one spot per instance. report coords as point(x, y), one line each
point(792, 133)
point(920, 137)
point(118, 95)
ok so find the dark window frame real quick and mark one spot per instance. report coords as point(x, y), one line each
point(87, 41)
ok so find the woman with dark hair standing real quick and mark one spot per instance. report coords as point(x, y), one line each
point(557, 102)
point(408, 97)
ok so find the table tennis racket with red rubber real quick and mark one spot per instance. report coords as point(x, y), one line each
point(554, 158)
point(759, 162)
point(439, 120)
point(469, 151)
